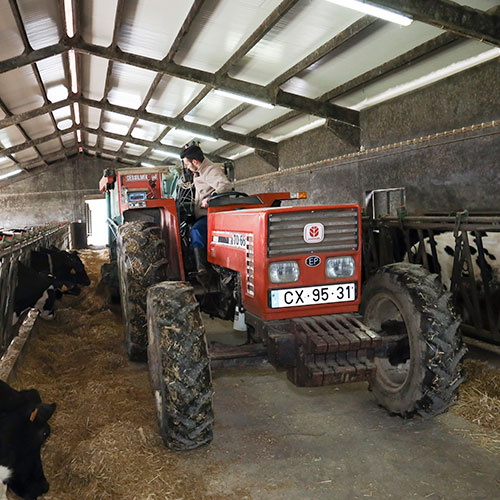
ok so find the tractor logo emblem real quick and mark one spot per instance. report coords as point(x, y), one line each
point(314, 233)
point(313, 261)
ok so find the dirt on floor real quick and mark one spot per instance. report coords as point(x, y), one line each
point(105, 444)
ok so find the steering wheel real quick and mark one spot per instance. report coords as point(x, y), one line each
point(229, 194)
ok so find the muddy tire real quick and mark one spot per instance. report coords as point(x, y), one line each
point(142, 262)
point(420, 373)
point(179, 366)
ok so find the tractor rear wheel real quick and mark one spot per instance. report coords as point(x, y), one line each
point(142, 262)
point(422, 367)
point(179, 366)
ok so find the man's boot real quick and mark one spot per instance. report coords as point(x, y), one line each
point(200, 257)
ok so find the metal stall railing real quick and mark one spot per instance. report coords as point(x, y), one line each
point(13, 251)
point(464, 249)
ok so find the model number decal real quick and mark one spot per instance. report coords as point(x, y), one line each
point(238, 240)
point(140, 177)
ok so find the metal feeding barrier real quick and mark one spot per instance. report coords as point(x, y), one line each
point(17, 248)
point(463, 248)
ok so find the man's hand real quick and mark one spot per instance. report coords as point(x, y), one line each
point(204, 203)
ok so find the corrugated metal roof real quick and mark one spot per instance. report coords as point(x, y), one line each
point(145, 74)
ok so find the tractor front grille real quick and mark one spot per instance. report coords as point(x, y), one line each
point(286, 231)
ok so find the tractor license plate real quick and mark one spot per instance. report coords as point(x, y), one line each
point(312, 295)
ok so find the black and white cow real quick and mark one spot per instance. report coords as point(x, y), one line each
point(66, 267)
point(35, 290)
point(24, 429)
point(445, 253)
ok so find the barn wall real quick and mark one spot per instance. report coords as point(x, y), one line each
point(55, 195)
point(415, 141)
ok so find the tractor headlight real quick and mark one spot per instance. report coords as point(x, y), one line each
point(284, 272)
point(340, 267)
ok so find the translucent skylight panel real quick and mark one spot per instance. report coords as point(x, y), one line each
point(69, 140)
point(147, 130)
point(54, 77)
point(62, 113)
point(221, 28)
point(292, 127)
point(93, 80)
point(353, 59)
point(90, 116)
point(11, 136)
point(179, 137)
point(143, 30)
point(111, 144)
point(255, 117)
point(91, 139)
point(38, 127)
point(25, 155)
point(302, 30)
point(19, 90)
point(172, 95)
point(116, 123)
point(448, 62)
point(5, 164)
point(107, 157)
point(11, 43)
point(98, 21)
point(134, 149)
point(211, 109)
point(129, 85)
point(42, 21)
point(50, 146)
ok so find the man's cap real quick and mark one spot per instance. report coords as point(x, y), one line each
point(192, 152)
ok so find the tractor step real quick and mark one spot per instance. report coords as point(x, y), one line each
point(324, 350)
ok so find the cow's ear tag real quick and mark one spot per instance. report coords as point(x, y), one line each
point(73, 271)
point(33, 415)
point(64, 288)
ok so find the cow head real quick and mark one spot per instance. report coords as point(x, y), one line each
point(78, 269)
point(31, 431)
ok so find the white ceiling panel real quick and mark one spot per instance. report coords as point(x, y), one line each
point(53, 77)
point(222, 27)
point(26, 155)
point(211, 109)
point(19, 90)
point(143, 28)
point(94, 71)
point(107, 157)
point(38, 127)
point(129, 85)
point(116, 123)
point(90, 116)
point(50, 146)
point(62, 113)
point(172, 95)
point(134, 149)
point(148, 131)
point(288, 42)
point(42, 21)
point(69, 139)
point(11, 43)
point(292, 127)
point(355, 58)
point(11, 136)
point(425, 72)
point(111, 144)
point(98, 21)
point(5, 164)
point(90, 139)
point(254, 118)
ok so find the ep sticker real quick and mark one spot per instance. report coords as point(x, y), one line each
point(313, 261)
point(314, 233)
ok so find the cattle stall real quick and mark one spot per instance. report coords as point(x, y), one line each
point(462, 248)
point(17, 250)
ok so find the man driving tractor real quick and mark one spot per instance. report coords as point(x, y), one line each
point(208, 180)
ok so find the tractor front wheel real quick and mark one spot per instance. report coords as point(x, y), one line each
point(179, 366)
point(422, 367)
point(142, 262)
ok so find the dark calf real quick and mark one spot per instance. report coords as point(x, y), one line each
point(23, 430)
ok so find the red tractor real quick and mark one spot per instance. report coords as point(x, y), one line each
point(291, 276)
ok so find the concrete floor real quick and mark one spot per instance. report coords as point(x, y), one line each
point(273, 440)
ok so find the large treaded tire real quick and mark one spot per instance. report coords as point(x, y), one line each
point(179, 366)
point(422, 372)
point(142, 262)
